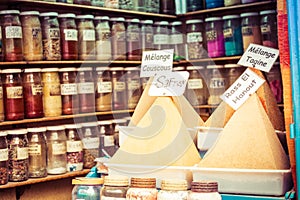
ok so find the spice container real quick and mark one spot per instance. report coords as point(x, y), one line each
point(232, 35)
point(173, 189)
point(133, 86)
point(74, 147)
point(147, 35)
point(176, 40)
point(86, 89)
point(12, 37)
point(87, 188)
point(13, 94)
point(1, 99)
point(275, 82)
point(118, 32)
point(32, 35)
point(214, 37)
point(204, 190)
point(51, 92)
point(37, 152)
point(217, 83)
point(69, 36)
point(152, 6)
point(194, 5)
point(142, 188)
point(161, 35)
point(104, 89)
point(107, 140)
point(18, 164)
point(233, 72)
point(103, 38)
point(214, 3)
point(195, 39)
point(3, 158)
point(51, 36)
point(56, 150)
point(69, 93)
point(33, 93)
point(119, 88)
point(115, 187)
point(83, 2)
point(86, 37)
point(133, 39)
point(231, 2)
point(268, 27)
point(111, 4)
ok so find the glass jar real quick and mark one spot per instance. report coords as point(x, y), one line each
point(104, 89)
point(250, 29)
point(133, 86)
point(232, 35)
point(204, 190)
point(83, 2)
point(115, 187)
point(214, 37)
point(142, 188)
point(18, 161)
point(103, 38)
point(69, 36)
point(176, 40)
point(56, 150)
point(107, 140)
point(13, 94)
point(275, 82)
point(86, 37)
point(195, 39)
point(133, 39)
point(86, 89)
point(32, 35)
point(147, 35)
point(111, 4)
point(268, 27)
point(69, 93)
point(118, 33)
point(173, 189)
point(3, 158)
point(194, 5)
point(51, 92)
point(12, 37)
point(1, 99)
point(33, 93)
point(231, 2)
point(161, 35)
point(233, 71)
point(37, 152)
point(214, 3)
point(167, 7)
point(51, 36)
point(119, 138)
point(217, 83)
point(152, 6)
point(74, 147)
point(119, 88)
point(87, 188)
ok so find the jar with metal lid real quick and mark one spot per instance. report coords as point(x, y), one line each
point(87, 188)
point(204, 190)
point(119, 88)
point(142, 188)
point(231, 2)
point(69, 36)
point(173, 189)
point(56, 150)
point(275, 82)
point(119, 138)
point(133, 39)
point(37, 151)
point(68, 88)
point(217, 83)
point(104, 89)
point(214, 3)
point(214, 37)
point(233, 71)
point(111, 4)
point(268, 28)
point(33, 93)
point(232, 35)
point(83, 2)
point(176, 40)
point(147, 34)
point(118, 33)
point(12, 37)
point(51, 92)
point(107, 140)
point(167, 7)
point(152, 6)
point(13, 94)
point(161, 35)
point(115, 187)
point(86, 89)
point(195, 39)
point(74, 147)
point(250, 29)
point(32, 36)
point(3, 158)
point(1, 98)
point(194, 5)
point(18, 161)
point(103, 38)
point(51, 36)
point(133, 86)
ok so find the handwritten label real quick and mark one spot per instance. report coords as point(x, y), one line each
point(14, 92)
point(176, 39)
point(37, 89)
point(54, 33)
point(195, 84)
point(86, 88)
point(194, 37)
point(259, 57)
point(104, 87)
point(74, 146)
point(12, 32)
point(161, 39)
point(89, 35)
point(119, 86)
point(3, 154)
point(34, 149)
point(133, 84)
point(109, 141)
point(71, 34)
point(58, 149)
point(90, 143)
point(68, 89)
point(22, 153)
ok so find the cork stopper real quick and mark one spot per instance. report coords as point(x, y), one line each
point(143, 182)
point(116, 180)
point(174, 184)
point(204, 186)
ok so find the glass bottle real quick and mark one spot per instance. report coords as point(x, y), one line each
point(3, 158)
point(147, 35)
point(268, 27)
point(195, 39)
point(86, 89)
point(1, 99)
point(118, 33)
point(176, 40)
point(37, 151)
point(233, 72)
point(115, 187)
point(133, 39)
point(142, 188)
point(217, 83)
point(104, 89)
point(119, 88)
point(214, 37)
point(86, 188)
point(161, 35)
point(173, 189)
point(167, 7)
point(214, 3)
point(204, 190)
point(231, 2)
point(103, 38)
point(194, 5)
point(107, 140)
point(133, 86)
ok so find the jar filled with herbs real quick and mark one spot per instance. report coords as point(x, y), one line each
point(86, 89)
point(118, 32)
point(103, 38)
point(104, 89)
point(3, 158)
point(195, 39)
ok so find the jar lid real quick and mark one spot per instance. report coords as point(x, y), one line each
point(180, 68)
point(89, 124)
point(118, 19)
point(230, 17)
point(194, 67)
point(204, 186)
point(116, 69)
point(84, 17)
point(134, 20)
point(17, 132)
point(102, 68)
point(211, 19)
point(194, 21)
point(68, 69)
point(37, 129)
point(105, 122)
point(87, 181)
point(55, 128)
point(101, 18)
point(30, 13)
point(49, 14)
point(143, 182)
point(148, 21)
point(50, 70)
point(266, 12)
point(72, 126)
point(3, 133)
point(82, 69)
point(174, 184)
point(114, 180)
point(132, 69)
point(176, 23)
point(67, 15)
point(162, 23)
point(29, 70)
point(215, 66)
point(3, 12)
point(249, 14)
point(231, 65)
point(8, 71)
point(119, 121)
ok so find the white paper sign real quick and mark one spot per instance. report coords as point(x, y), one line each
point(259, 57)
point(155, 62)
point(242, 88)
point(169, 84)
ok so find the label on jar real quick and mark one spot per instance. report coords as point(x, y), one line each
point(3, 154)
point(71, 34)
point(133, 85)
point(86, 88)
point(90, 143)
point(36, 32)
point(217, 83)
point(22, 153)
point(37, 89)
point(211, 35)
point(12, 32)
point(120, 36)
point(104, 87)
point(265, 28)
point(149, 38)
point(111, 198)
point(247, 30)
point(53, 33)
point(133, 37)
point(105, 36)
point(119, 86)
point(1, 91)
point(194, 37)
point(35, 149)
point(89, 35)
point(74, 146)
point(14, 92)
point(176, 39)
point(161, 39)
point(55, 90)
point(68, 89)
point(195, 84)
point(58, 149)
point(228, 33)
point(109, 140)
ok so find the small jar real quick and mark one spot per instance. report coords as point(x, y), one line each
point(275, 82)
point(177, 40)
point(51, 92)
point(147, 35)
point(214, 37)
point(12, 37)
point(32, 35)
point(194, 5)
point(68, 88)
point(3, 158)
point(18, 164)
point(103, 38)
point(214, 3)
point(118, 33)
point(111, 4)
point(195, 39)
point(142, 188)
point(234, 71)
point(87, 188)
point(74, 147)
point(33, 93)
point(217, 83)
point(133, 39)
point(51, 36)
point(37, 152)
point(56, 150)
point(69, 36)
point(83, 2)
point(107, 140)
point(161, 35)
point(133, 86)
point(231, 2)
point(268, 28)
point(115, 187)
point(173, 189)
point(13, 94)
point(152, 6)
point(1, 98)
point(204, 190)
point(86, 37)
point(104, 89)
point(119, 88)
point(86, 89)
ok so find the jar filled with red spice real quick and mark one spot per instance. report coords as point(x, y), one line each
point(86, 89)
point(118, 31)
